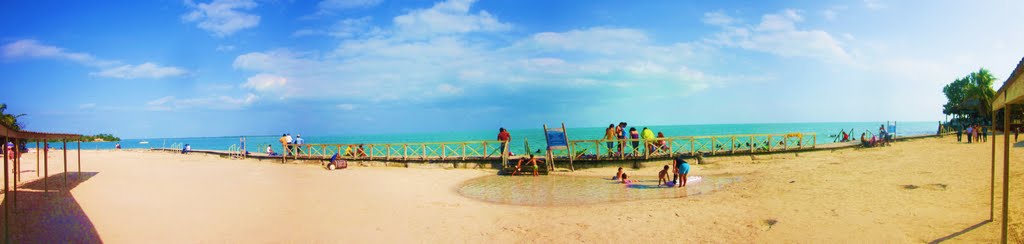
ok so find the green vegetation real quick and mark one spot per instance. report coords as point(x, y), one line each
point(9, 120)
point(104, 137)
point(969, 99)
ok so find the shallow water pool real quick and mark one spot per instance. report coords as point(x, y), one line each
point(563, 190)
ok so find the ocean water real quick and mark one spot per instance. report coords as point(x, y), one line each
point(535, 136)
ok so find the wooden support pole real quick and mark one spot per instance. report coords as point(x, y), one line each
point(444, 152)
point(464, 151)
point(751, 146)
point(1006, 169)
point(46, 166)
point(692, 150)
point(37, 159)
point(17, 169)
point(992, 178)
point(732, 145)
point(388, 147)
point(80, 160)
point(770, 143)
point(65, 148)
point(424, 147)
point(7, 204)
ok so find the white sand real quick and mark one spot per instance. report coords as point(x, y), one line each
point(857, 195)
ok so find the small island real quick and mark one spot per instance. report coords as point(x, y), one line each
point(101, 138)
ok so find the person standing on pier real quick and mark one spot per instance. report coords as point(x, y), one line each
point(284, 141)
point(609, 137)
point(298, 143)
point(648, 136)
point(504, 137)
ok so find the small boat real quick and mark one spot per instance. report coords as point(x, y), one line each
point(143, 142)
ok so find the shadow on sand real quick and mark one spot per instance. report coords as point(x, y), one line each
point(961, 232)
point(51, 217)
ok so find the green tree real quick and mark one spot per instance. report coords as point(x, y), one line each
point(9, 120)
point(980, 89)
point(956, 95)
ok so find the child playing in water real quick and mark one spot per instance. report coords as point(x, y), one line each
point(626, 180)
point(663, 176)
point(532, 161)
point(618, 175)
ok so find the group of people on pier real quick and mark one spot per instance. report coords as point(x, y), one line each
point(620, 134)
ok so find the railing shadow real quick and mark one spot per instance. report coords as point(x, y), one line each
point(51, 217)
point(961, 232)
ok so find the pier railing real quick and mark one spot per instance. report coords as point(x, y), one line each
point(688, 145)
point(403, 151)
point(578, 149)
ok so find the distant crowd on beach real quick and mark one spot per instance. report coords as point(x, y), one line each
point(883, 138)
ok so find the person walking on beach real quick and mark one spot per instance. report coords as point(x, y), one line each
point(504, 136)
point(959, 133)
point(609, 137)
point(984, 133)
point(970, 138)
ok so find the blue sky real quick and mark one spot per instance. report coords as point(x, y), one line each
point(227, 67)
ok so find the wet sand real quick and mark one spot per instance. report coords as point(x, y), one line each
point(916, 191)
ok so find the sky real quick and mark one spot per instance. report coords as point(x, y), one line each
point(148, 69)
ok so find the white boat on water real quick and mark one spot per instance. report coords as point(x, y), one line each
point(143, 142)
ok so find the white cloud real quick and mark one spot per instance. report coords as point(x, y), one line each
point(448, 17)
point(265, 82)
point(345, 28)
point(718, 18)
point(114, 69)
point(29, 48)
point(87, 106)
point(222, 17)
point(347, 4)
point(777, 34)
point(874, 4)
point(144, 70)
point(170, 103)
point(347, 106)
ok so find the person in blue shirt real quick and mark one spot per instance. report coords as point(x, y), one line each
point(298, 142)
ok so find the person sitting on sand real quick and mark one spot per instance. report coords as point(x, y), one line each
point(663, 176)
point(625, 179)
point(337, 162)
point(618, 175)
point(684, 169)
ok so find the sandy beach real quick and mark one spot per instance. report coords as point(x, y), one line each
point(915, 191)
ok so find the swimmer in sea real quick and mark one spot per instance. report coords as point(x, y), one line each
point(618, 175)
point(663, 176)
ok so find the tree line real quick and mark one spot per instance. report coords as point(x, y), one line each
point(11, 121)
point(969, 98)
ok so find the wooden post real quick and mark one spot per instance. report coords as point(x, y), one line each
point(46, 165)
point(371, 151)
point(571, 148)
point(424, 151)
point(770, 143)
point(671, 147)
point(1006, 168)
point(17, 169)
point(7, 205)
point(751, 146)
point(405, 151)
point(444, 152)
point(65, 148)
point(388, 147)
point(992, 178)
point(714, 147)
point(692, 150)
point(785, 143)
point(597, 149)
point(732, 145)
point(80, 160)
point(815, 144)
point(37, 159)
point(464, 151)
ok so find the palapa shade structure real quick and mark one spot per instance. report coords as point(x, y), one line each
point(1008, 99)
point(18, 137)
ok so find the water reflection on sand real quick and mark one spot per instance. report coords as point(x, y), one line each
point(563, 190)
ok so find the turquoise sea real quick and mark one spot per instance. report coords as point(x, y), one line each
point(534, 135)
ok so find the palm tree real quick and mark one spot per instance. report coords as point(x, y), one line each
point(980, 88)
point(9, 120)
